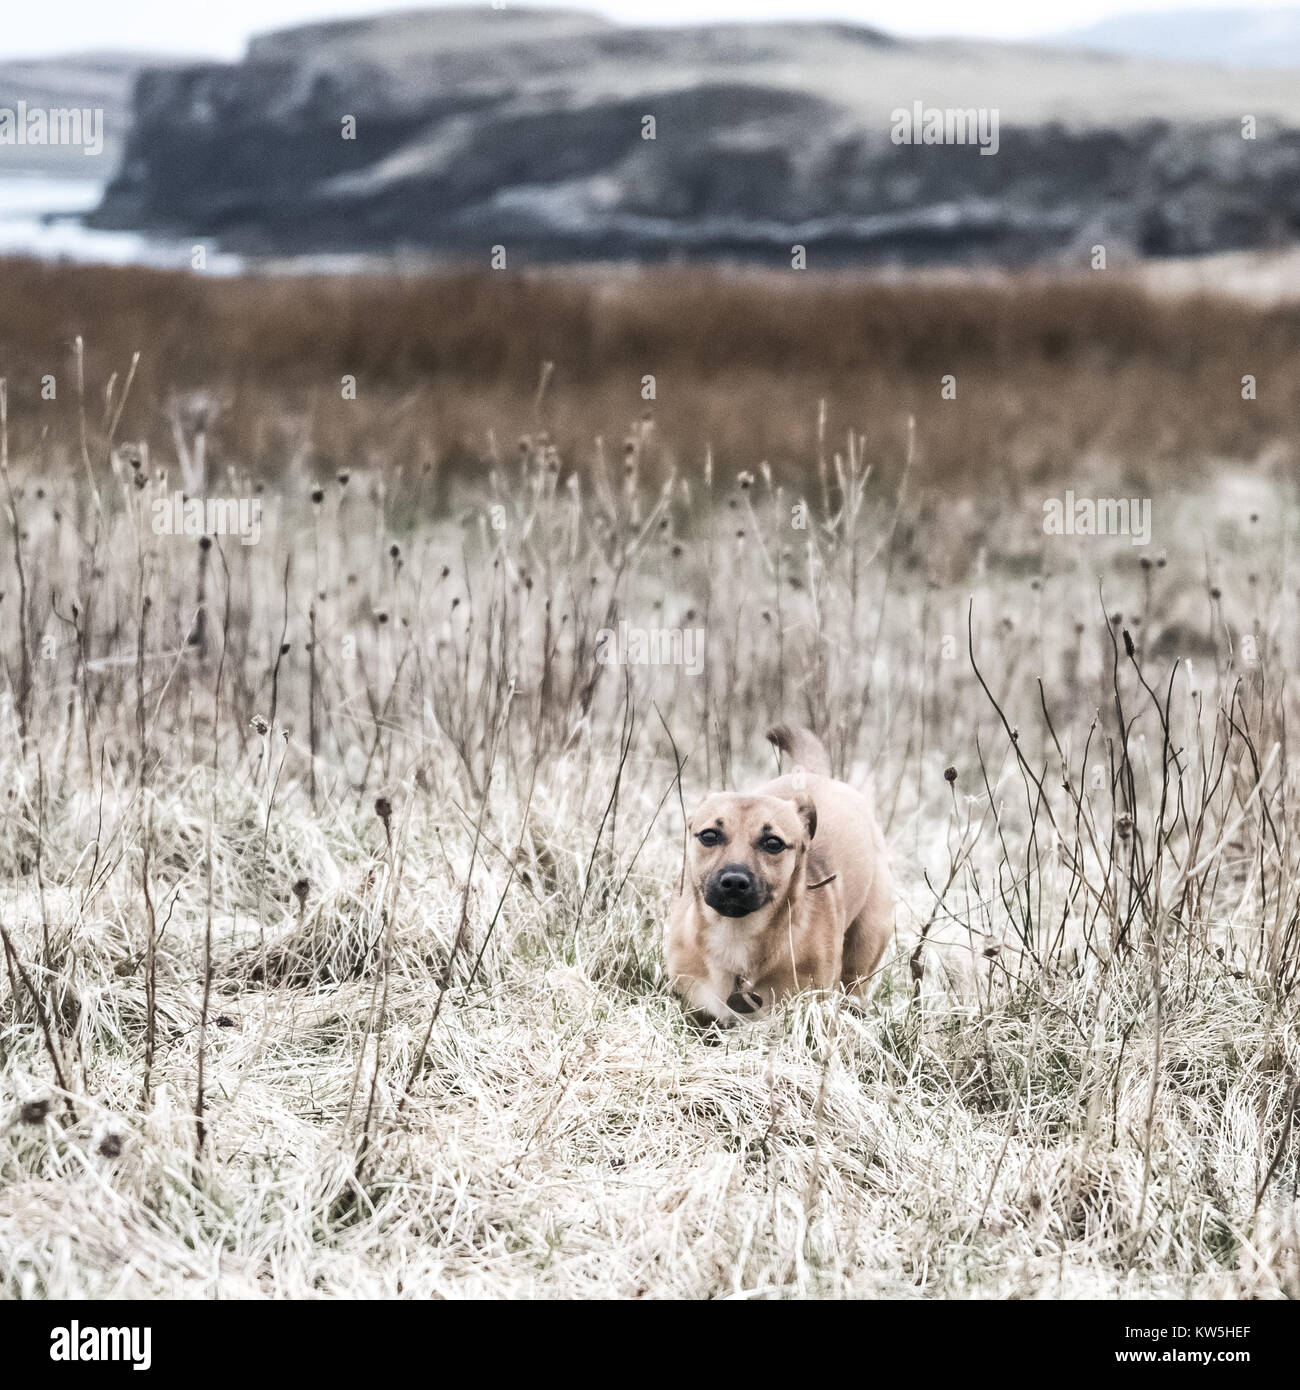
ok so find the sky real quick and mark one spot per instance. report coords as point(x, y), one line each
point(220, 28)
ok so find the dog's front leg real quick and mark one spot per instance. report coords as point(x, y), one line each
point(708, 1009)
point(705, 1003)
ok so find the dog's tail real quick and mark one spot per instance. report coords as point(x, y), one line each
point(802, 746)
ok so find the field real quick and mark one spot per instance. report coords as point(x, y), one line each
point(333, 866)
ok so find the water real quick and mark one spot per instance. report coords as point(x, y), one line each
point(41, 215)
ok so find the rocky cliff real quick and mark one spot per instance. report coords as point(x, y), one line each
point(475, 128)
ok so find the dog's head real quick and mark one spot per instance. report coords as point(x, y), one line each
point(746, 851)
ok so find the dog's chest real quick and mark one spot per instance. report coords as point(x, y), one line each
point(733, 951)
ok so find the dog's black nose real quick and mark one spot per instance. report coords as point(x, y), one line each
point(733, 890)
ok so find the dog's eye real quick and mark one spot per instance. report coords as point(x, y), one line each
point(709, 837)
point(771, 844)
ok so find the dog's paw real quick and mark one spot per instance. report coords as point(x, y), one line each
point(745, 1002)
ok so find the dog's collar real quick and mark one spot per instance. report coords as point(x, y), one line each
point(823, 883)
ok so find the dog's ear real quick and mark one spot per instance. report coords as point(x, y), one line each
point(807, 814)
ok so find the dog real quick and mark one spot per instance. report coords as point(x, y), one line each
point(789, 889)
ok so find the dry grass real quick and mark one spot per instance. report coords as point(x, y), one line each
point(1049, 370)
point(367, 998)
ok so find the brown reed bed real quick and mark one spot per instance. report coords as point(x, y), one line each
point(751, 367)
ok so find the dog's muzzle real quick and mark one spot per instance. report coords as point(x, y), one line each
point(734, 891)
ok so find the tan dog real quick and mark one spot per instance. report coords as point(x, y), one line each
point(788, 889)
